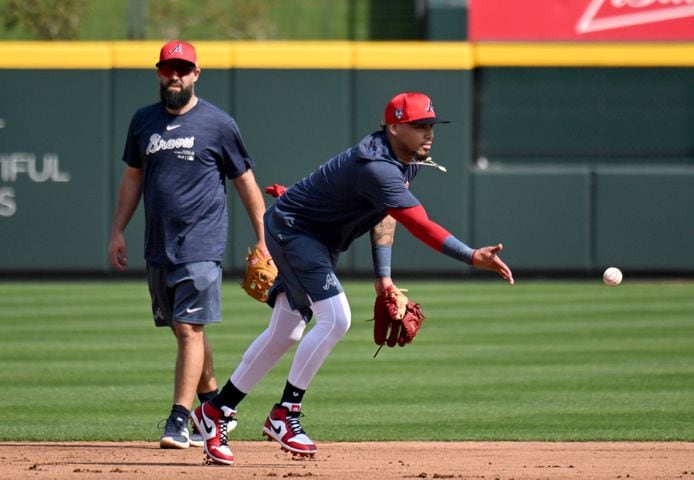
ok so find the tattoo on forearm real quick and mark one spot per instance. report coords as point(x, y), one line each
point(384, 232)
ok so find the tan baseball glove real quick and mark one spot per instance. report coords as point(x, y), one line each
point(260, 274)
point(396, 318)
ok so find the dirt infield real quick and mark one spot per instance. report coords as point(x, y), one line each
point(368, 460)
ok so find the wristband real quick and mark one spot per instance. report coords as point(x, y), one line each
point(456, 249)
point(381, 256)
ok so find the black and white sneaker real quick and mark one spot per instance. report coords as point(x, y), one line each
point(175, 433)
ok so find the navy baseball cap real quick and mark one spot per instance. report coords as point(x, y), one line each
point(178, 50)
point(411, 107)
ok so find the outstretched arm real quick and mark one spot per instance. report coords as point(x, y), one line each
point(417, 222)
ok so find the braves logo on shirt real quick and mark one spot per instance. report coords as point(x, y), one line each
point(157, 143)
point(182, 146)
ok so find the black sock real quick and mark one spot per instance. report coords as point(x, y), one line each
point(180, 411)
point(206, 396)
point(292, 394)
point(229, 396)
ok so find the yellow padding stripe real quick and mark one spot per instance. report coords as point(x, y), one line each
point(413, 55)
point(292, 55)
point(349, 55)
point(584, 54)
point(56, 55)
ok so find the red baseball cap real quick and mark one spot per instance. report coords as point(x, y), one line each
point(411, 107)
point(178, 50)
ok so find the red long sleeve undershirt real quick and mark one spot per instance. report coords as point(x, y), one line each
point(418, 223)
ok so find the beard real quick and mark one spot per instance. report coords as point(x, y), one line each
point(421, 155)
point(175, 100)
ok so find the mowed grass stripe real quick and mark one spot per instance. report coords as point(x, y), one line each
point(543, 360)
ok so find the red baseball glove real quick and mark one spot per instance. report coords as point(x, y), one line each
point(396, 318)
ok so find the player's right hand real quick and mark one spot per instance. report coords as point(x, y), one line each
point(487, 258)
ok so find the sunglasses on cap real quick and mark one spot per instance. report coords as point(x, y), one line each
point(181, 69)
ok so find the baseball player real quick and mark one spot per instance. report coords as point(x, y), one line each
point(362, 189)
point(178, 153)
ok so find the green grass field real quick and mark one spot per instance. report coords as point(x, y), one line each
point(543, 360)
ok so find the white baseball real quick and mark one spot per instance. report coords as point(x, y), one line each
point(612, 276)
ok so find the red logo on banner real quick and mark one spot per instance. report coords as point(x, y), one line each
point(611, 14)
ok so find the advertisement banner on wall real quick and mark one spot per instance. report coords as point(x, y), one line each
point(581, 20)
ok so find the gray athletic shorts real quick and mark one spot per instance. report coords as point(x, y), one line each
point(188, 293)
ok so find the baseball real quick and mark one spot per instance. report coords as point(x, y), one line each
point(612, 276)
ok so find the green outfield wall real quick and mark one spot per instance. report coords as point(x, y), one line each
point(576, 157)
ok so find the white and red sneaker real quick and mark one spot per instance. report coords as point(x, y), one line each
point(214, 425)
point(283, 426)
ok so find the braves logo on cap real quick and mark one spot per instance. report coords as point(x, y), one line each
point(398, 113)
point(178, 49)
point(430, 107)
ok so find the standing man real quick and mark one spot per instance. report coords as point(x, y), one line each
point(178, 154)
point(362, 189)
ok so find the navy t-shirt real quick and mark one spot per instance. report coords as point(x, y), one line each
point(348, 195)
point(185, 161)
